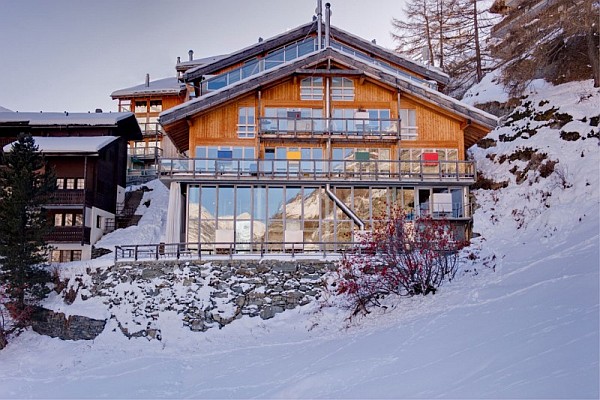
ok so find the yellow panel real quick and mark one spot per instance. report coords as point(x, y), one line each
point(293, 155)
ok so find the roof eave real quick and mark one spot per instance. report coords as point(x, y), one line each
point(250, 51)
point(426, 94)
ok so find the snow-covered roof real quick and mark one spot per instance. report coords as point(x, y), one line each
point(422, 91)
point(64, 118)
point(70, 144)
point(159, 86)
point(3, 109)
point(185, 65)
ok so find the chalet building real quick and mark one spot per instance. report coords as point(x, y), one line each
point(307, 138)
point(89, 155)
point(146, 101)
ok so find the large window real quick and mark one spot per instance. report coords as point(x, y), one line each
point(287, 120)
point(65, 256)
point(342, 89)
point(70, 183)
point(408, 123)
point(311, 88)
point(141, 106)
point(68, 219)
point(155, 105)
point(224, 158)
point(246, 125)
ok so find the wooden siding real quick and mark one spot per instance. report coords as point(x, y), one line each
point(219, 126)
point(436, 127)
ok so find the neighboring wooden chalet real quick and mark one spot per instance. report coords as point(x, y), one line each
point(302, 140)
point(146, 101)
point(89, 155)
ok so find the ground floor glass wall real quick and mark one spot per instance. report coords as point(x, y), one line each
point(254, 215)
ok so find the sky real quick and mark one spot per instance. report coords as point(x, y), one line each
point(69, 55)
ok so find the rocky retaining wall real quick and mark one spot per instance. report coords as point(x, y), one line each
point(74, 327)
point(203, 294)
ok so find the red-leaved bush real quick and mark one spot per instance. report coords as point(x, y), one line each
point(400, 256)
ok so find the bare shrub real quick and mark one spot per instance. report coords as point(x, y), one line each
point(402, 257)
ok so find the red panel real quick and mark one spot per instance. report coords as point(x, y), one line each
point(431, 159)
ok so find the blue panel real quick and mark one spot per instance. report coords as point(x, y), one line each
point(224, 154)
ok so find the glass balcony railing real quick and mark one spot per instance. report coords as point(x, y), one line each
point(340, 127)
point(151, 129)
point(144, 153)
point(256, 65)
point(360, 168)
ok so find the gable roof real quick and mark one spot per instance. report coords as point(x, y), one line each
point(267, 77)
point(160, 86)
point(198, 62)
point(120, 123)
point(302, 32)
point(70, 145)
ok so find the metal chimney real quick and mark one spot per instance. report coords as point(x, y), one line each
point(327, 23)
point(147, 80)
point(319, 12)
point(191, 54)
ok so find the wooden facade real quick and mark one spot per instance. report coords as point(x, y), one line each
point(332, 135)
point(147, 101)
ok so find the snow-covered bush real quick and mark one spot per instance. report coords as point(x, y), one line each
point(400, 256)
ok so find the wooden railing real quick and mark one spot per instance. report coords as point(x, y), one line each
point(69, 234)
point(68, 197)
point(318, 170)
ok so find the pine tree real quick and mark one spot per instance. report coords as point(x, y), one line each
point(26, 182)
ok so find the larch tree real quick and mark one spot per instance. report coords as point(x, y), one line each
point(26, 182)
point(448, 34)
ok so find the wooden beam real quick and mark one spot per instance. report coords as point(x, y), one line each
point(329, 72)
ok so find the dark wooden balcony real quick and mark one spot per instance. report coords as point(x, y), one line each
point(68, 234)
point(68, 197)
point(334, 128)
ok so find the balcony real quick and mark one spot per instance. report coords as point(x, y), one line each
point(68, 234)
point(334, 128)
point(151, 129)
point(350, 171)
point(67, 197)
point(144, 153)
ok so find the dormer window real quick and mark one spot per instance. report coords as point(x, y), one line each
point(342, 89)
point(311, 88)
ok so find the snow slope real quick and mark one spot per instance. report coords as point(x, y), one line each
point(521, 322)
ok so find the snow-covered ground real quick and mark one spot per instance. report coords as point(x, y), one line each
point(522, 322)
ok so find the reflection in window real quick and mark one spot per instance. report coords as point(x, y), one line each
point(226, 203)
point(342, 89)
point(311, 88)
point(408, 123)
point(155, 105)
point(246, 125)
point(141, 107)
